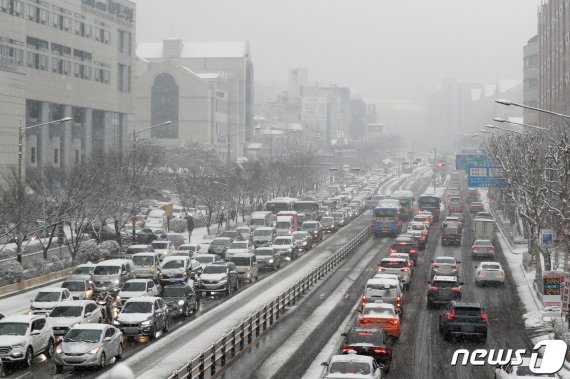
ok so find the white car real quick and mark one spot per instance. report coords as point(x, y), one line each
point(163, 248)
point(286, 246)
point(79, 289)
point(178, 270)
point(22, 337)
point(137, 288)
point(489, 272)
point(46, 300)
point(240, 247)
point(66, 315)
point(190, 249)
point(352, 366)
point(205, 259)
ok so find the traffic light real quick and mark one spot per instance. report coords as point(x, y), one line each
point(440, 165)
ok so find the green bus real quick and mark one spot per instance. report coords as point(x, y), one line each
point(407, 200)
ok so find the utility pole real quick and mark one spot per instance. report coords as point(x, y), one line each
point(434, 166)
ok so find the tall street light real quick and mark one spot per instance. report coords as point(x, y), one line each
point(504, 129)
point(498, 119)
point(137, 133)
point(270, 135)
point(508, 103)
point(21, 133)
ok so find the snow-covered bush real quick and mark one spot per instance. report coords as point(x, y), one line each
point(89, 251)
point(112, 247)
point(178, 225)
point(11, 272)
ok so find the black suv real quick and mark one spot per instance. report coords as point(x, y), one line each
point(233, 234)
point(405, 244)
point(463, 319)
point(314, 228)
point(442, 290)
point(220, 277)
point(180, 300)
point(373, 342)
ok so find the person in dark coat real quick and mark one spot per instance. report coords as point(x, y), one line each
point(189, 226)
point(233, 215)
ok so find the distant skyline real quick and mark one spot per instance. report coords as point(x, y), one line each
point(389, 49)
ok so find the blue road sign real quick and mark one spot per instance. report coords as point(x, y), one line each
point(463, 160)
point(485, 174)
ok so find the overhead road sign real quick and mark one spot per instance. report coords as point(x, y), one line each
point(463, 160)
point(485, 174)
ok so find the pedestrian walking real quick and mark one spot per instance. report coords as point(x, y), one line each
point(233, 215)
point(189, 226)
point(220, 220)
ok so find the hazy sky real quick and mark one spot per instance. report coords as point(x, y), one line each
point(394, 49)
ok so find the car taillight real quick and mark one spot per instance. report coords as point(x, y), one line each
point(364, 321)
point(455, 267)
point(393, 322)
point(433, 265)
point(412, 251)
point(410, 264)
point(475, 249)
point(380, 351)
point(501, 274)
point(484, 318)
point(490, 249)
point(432, 288)
point(451, 316)
point(393, 251)
point(456, 289)
point(479, 273)
point(425, 232)
point(381, 269)
point(363, 299)
point(405, 269)
point(398, 301)
point(460, 209)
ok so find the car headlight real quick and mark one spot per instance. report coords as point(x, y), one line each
point(95, 350)
point(180, 302)
point(290, 249)
point(58, 349)
point(118, 297)
point(184, 273)
point(116, 281)
point(115, 322)
point(161, 274)
point(152, 269)
point(146, 323)
point(223, 281)
point(270, 261)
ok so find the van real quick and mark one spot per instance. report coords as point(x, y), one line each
point(156, 219)
point(147, 265)
point(294, 216)
point(261, 219)
point(246, 266)
point(112, 274)
point(284, 225)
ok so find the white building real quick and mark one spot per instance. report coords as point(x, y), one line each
point(63, 58)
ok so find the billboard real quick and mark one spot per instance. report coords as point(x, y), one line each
point(463, 160)
point(485, 174)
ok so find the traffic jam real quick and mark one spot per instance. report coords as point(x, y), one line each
point(92, 317)
point(368, 346)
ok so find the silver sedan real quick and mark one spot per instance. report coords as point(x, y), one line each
point(445, 266)
point(489, 272)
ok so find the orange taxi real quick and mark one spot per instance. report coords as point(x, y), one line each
point(380, 315)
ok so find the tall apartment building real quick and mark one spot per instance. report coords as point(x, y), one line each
point(64, 58)
point(554, 59)
point(231, 58)
point(530, 80)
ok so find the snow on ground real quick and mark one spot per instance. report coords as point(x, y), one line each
point(20, 304)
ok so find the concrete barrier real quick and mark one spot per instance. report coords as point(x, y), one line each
point(35, 282)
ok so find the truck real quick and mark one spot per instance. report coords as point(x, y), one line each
point(451, 233)
point(484, 229)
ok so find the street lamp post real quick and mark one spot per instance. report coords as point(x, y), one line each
point(564, 117)
point(504, 129)
point(498, 119)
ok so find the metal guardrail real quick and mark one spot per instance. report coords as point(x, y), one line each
point(247, 331)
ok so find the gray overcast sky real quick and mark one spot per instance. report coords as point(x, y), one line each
point(396, 49)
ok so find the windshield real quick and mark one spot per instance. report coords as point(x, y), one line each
point(66, 312)
point(283, 224)
point(429, 201)
point(239, 245)
point(444, 284)
point(241, 261)
point(262, 233)
point(134, 286)
point(364, 337)
point(107, 270)
point(282, 241)
point(173, 292)
point(384, 212)
point(215, 269)
point(300, 235)
point(309, 225)
point(203, 259)
point(137, 307)
point(160, 245)
point(221, 242)
point(306, 207)
point(83, 335)
point(449, 261)
point(175, 263)
point(257, 221)
point(143, 260)
point(13, 329)
point(74, 286)
point(83, 271)
point(134, 250)
point(393, 264)
point(47, 296)
point(417, 227)
point(264, 252)
point(276, 207)
point(327, 221)
point(350, 368)
point(187, 248)
point(379, 312)
point(490, 266)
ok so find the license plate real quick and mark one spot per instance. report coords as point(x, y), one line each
point(469, 329)
point(131, 330)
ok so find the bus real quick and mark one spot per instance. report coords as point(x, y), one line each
point(432, 203)
point(308, 207)
point(280, 204)
point(406, 201)
point(387, 218)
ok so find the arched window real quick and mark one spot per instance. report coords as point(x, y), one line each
point(164, 106)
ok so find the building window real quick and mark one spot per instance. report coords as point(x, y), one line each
point(37, 44)
point(57, 49)
point(88, 31)
point(33, 155)
point(164, 106)
point(56, 156)
point(37, 61)
point(66, 24)
point(123, 78)
point(81, 55)
point(17, 55)
point(77, 157)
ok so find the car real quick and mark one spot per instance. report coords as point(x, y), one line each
point(219, 277)
point(373, 342)
point(454, 204)
point(339, 218)
point(263, 236)
point(245, 232)
point(476, 207)
point(141, 248)
point(304, 240)
point(233, 234)
point(422, 217)
point(405, 256)
point(396, 266)
point(453, 219)
point(460, 217)
point(145, 236)
point(445, 266)
point(522, 370)
point(421, 233)
point(180, 299)
point(110, 275)
point(484, 215)
point(405, 244)
point(137, 288)
point(380, 315)
point(329, 225)
point(239, 247)
point(472, 195)
point(89, 345)
point(463, 319)
point(82, 272)
point(179, 270)
point(22, 337)
point(482, 249)
point(219, 246)
point(176, 239)
point(489, 272)
point(147, 265)
point(46, 300)
point(205, 259)
point(163, 248)
point(428, 214)
point(143, 316)
point(268, 259)
point(314, 228)
point(286, 246)
point(386, 288)
point(70, 313)
point(442, 290)
point(190, 248)
point(352, 365)
point(79, 289)
point(246, 266)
